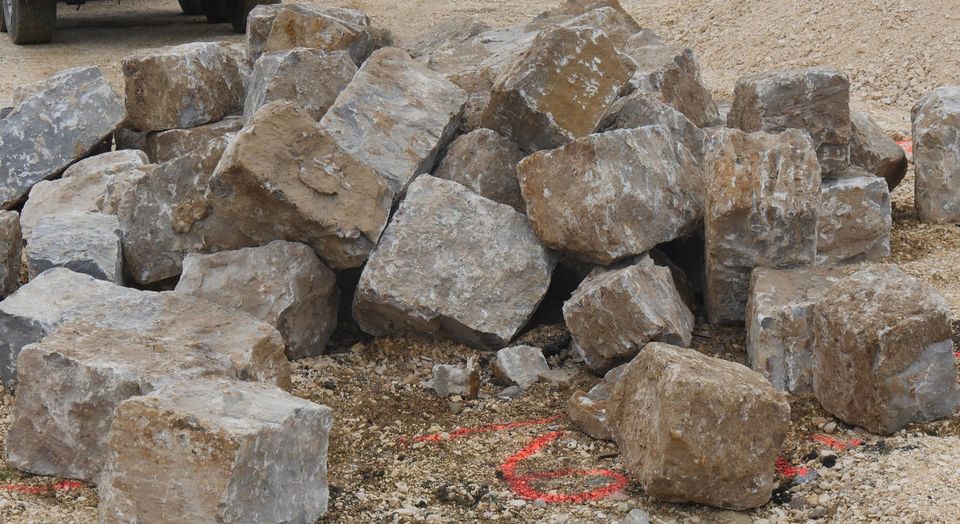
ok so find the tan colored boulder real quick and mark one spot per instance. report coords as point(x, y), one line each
point(261, 18)
point(936, 155)
point(320, 28)
point(763, 197)
point(282, 166)
point(282, 283)
point(874, 151)
point(883, 351)
point(854, 220)
point(486, 163)
point(455, 29)
point(11, 246)
point(519, 366)
point(613, 195)
point(693, 428)
point(164, 146)
point(463, 249)
point(588, 411)
point(310, 77)
point(216, 451)
point(643, 109)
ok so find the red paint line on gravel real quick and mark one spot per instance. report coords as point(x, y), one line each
point(906, 145)
point(65, 485)
point(787, 471)
point(838, 445)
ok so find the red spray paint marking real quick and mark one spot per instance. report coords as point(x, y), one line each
point(838, 445)
point(65, 485)
point(906, 145)
point(787, 471)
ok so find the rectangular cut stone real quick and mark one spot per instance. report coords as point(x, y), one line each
point(936, 155)
point(854, 220)
point(763, 197)
point(216, 451)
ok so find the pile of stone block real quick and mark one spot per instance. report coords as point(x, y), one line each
point(453, 176)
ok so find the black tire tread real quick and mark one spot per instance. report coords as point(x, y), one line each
point(33, 21)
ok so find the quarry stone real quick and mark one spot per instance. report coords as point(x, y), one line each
point(936, 155)
point(875, 152)
point(519, 366)
point(88, 243)
point(311, 77)
point(486, 163)
point(11, 248)
point(854, 220)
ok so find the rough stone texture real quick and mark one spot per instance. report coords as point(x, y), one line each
point(311, 77)
point(641, 109)
point(451, 30)
point(763, 196)
point(450, 379)
point(815, 100)
point(463, 250)
point(71, 382)
point(396, 116)
point(671, 74)
point(936, 155)
point(11, 247)
point(283, 284)
point(60, 295)
point(324, 28)
point(588, 411)
point(181, 86)
point(61, 120)
point(874, 151)
point(164, 146)
point(558, 90)
point(217, 451)
point(614, 314)
point(88, 243)
point(485, 163)
point(883, 351)
point(107, 164)
point(519, 366)
point(613, 195)
point(854, 219)
point(780, 324)
point(283, 167)
point(693, 428)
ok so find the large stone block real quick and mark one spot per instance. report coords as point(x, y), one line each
point(164, 146)
point(58, 122)
point(936, 155)
point(88, 243)
point(615, 313)
point(60, 295)
point(763, 196)
point(485, 163)
point(11, 248)
point(883, 351)
point(854, 219)
point(310, 77)
point(463, 249)
point(284, 167)
point(780, 323)
point(396, 116)
point(815, 100)
point(693, 428)
point(642, 109)
point(613, 195)
point(874, 151)
point(283, 284)
point(558, 90)
point(217, 451)
point(451, 30)
point(181, 86)
point(325, 28)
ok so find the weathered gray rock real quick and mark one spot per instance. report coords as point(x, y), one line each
point(61, 120)
point(217, 451)
point(936, 155)
point(107, 164)
point(883, 351)
point(283, 167)
point(614, 314)
point(395, 116)
point(288, 26)
point(558, 90)
point(636, 516)
point(11, 247)
point(693, 428)
point(854, 219)
point(60, 295)
point(519, 366)
point(451, 30)
point(485, 163)
point(71, 382)
point(164, 146)
point(181, 86)
point(88, 243)
point(642, 109)
point(613, 195)
point(310, 77)
point(874, 151)
point(463, 250)
point(283, 284)
point(763, 197)
point(671, 74)
point(815, 100)
point(449, 379)
point(780, 323)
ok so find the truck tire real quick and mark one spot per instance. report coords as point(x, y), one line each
point(191, 7)
point(242, 8)
point(217, 11)
point(30, 21)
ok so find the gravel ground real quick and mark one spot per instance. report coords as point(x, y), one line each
point(893, 50)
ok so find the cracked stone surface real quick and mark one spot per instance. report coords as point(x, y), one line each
point(875, 152)
point(936, 155)
point(164, 146)
point(11, 247)
point(88, 243)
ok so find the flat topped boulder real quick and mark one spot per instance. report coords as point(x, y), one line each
point(395, 116)
point(463, 249)
point(59, 121)
point(323, 28)
point(89, 243)
point(261, 18)
point(486, 163)
point(217, 451)
point(936, 155)
point(613, 195)
point(60, 295)
point(883, 351)
point(310, 77)
point(11, 249)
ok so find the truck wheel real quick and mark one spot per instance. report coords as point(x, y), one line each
point(216, 11)
point(30, 21)
point(191, 7)
point(238, 18)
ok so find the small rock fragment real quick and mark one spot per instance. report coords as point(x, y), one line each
point(164, 146)
point(486, 163)
point(310, 77)
point(854, 219)
point(88, 243)
point(936, 155)
point(11, 246)
point(449, 379)
point(874, 151)
point(588, 411)
point(636, 516)
point(519, 366)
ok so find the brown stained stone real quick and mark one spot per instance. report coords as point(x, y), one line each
point(164, 146)
point(874, 151)
point(322, 29)
point(693, 428)
point(261, 18)
point(11, 247)
point(854, 220)
point(310, 77)
point(643, 109)
point(936, 155)
point(486, 163)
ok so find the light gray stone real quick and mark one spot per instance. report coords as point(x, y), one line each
point(59, 122)
point(874, 151)
point(486, 163)
point(107, 164)
point(450, 379)
point(854, 219)
point(88, 243)
point(642, 109)
point(217, 451)
point(936, 155)
point(11, 248)
point(519, 366)
point(282, 283)
point(463, 250)
point(310, 77)
point(636, 516)
point(455, 29)
point(164, 146)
